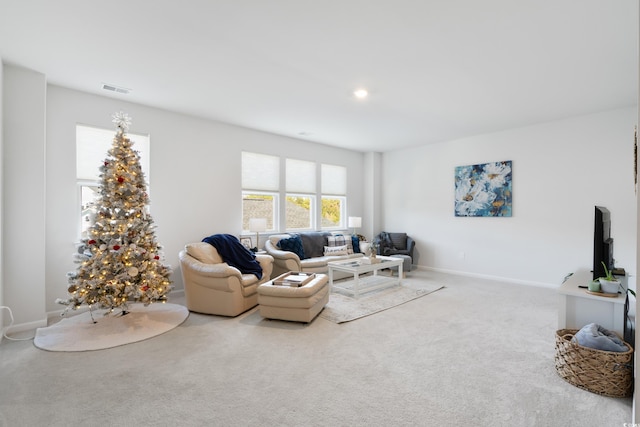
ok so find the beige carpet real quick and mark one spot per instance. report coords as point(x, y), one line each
point(80, 333)
point(342, 308)
point(478, 353)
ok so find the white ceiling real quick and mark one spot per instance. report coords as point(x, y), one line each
point(436, 69)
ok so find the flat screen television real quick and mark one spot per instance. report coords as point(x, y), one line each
point(602, 242)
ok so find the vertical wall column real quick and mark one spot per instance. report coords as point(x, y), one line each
point(372, 187)
point(23, 195)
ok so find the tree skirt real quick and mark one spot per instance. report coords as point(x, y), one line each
point(343, 308)
point(80, 333)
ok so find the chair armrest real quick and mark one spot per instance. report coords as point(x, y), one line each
point(266, 262)
point(208, 270)
point(410, 245)
point(215, 270)
point(283, 261)
point(279, 254)
point(264, 259)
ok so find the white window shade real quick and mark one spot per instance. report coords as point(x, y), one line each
point(260, 172)
point(301, 176)
point(92, 145)
point(334, 179)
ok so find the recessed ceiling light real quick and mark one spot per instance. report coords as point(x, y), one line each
point(361, 93)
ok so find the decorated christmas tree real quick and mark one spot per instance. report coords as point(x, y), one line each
point(120, 261)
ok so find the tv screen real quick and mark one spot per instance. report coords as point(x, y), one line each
point(602, 242)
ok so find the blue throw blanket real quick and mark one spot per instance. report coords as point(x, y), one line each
point(233, 253)
point(599, 338)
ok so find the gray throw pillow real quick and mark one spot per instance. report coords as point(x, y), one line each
point(314, 243)
point(399, 240)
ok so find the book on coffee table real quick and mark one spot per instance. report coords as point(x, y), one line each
point(294, 279)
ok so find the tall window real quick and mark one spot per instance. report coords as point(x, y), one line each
point(260, 187)
point(301, 190)
point(92, 145)
point(334, 196)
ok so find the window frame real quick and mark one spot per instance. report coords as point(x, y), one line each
point(275, 215)
point(281, 194)
point(312, 212)
point(343, 212)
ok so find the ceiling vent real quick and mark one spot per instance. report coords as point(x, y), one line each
point(116, 89)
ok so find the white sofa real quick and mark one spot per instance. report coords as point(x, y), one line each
point(316, 262)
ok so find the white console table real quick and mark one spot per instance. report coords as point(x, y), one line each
point(577, 308)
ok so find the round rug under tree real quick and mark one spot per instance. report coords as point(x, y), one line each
point(80, 333)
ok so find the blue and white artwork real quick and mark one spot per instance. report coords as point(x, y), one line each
point(484, 189)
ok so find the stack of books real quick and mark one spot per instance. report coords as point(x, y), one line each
point(294, 279)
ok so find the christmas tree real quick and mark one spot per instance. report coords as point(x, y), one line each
point(120, 261)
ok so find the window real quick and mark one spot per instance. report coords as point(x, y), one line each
point(259, 205)
point(301, 190)
point(334, 200)
point(92, 145)
point(260, 189)
point(261, 192)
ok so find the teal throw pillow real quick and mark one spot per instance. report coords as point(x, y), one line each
point(292, 244)
point(355, 242)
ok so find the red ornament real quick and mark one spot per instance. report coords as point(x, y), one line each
point(116, 247)
point(106, 163)
point(91, 242)
point(120, 179)
point(145, 287)
point(156, 257)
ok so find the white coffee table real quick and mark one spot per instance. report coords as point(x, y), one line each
point(359, 266)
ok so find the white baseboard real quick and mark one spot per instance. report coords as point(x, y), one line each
point(176, 293)
point(490, 277)
point(23, 327)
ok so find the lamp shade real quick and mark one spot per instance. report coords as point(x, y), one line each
point(257, 225)
point(354, 221)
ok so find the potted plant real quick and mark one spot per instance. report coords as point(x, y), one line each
point(609, 284)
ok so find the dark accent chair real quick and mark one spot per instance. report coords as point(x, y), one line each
point(394, 244)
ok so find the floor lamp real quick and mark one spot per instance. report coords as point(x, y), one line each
point(256, 225)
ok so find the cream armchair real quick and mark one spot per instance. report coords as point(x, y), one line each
point(211, 286)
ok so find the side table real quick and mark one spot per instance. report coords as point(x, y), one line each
point(577, 307)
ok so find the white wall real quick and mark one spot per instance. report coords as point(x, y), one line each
point(23, 234)
point(195, 180)
point(561, 170)
point(195, 175)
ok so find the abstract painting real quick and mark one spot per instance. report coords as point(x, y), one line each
point(484, 189)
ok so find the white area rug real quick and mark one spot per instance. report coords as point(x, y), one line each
point(342, 308)
point(79, 333)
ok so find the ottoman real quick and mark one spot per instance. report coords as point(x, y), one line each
point(301, 304)
point(406, 262)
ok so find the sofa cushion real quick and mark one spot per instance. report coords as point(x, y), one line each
point(341, 240)
point(203, 252)
point(293, 244)
point(335, 250)
point(399, 240)
point(313, 243)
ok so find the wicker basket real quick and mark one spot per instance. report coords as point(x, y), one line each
point(602, 372)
